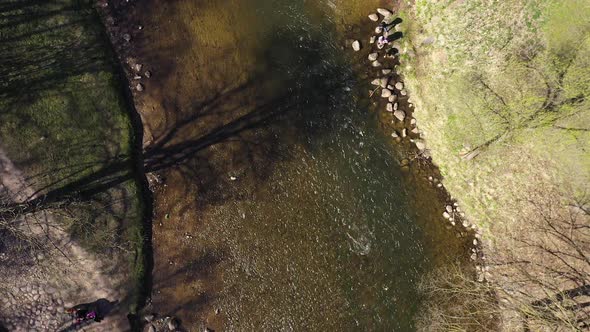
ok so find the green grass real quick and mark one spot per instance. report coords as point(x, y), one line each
point(489, 73)
point(63, 118)
point(509, 79)
point(62, 114)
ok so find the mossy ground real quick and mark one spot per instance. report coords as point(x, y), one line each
point(63, 118)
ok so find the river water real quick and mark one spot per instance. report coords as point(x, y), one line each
point(284, 206)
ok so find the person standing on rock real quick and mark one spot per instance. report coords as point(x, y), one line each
point(381, 41)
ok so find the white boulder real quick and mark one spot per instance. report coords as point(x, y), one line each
point(356, 45)
point(384, 12)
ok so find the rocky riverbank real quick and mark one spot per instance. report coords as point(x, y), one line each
point(394, 103)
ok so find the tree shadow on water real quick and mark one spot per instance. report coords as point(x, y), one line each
point(309, 87)
point(310, 82)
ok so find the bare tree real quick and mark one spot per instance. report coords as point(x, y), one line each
point(536, 282)
point(545, 276)
point(456, 301)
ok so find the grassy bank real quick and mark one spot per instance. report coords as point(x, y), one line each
point(501, 89)
point(65, 123)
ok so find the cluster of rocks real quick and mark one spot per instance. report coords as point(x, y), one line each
point(453, 214)
point(392, 96)
point(166, 323)
point(122, 36)
point(154, 323)
point(32, 307)
point(389, 89)
point(136, 74)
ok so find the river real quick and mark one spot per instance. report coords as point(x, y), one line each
point(282, 204)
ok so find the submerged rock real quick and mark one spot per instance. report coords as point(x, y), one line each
point(356, 45)
point(386, 71)
point(373, 56)
point(372, 39)
point(375, 82)
point(383, 82)
point(376, 63)
point(374, 17)
point(392, 98)
point(139, 87)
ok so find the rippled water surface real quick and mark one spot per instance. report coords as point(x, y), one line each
point(303, 217)
point(329, 240)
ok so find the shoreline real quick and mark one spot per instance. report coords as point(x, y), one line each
point(399, 123)
point(143, 270)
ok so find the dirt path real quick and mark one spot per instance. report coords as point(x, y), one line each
point(34, 297)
